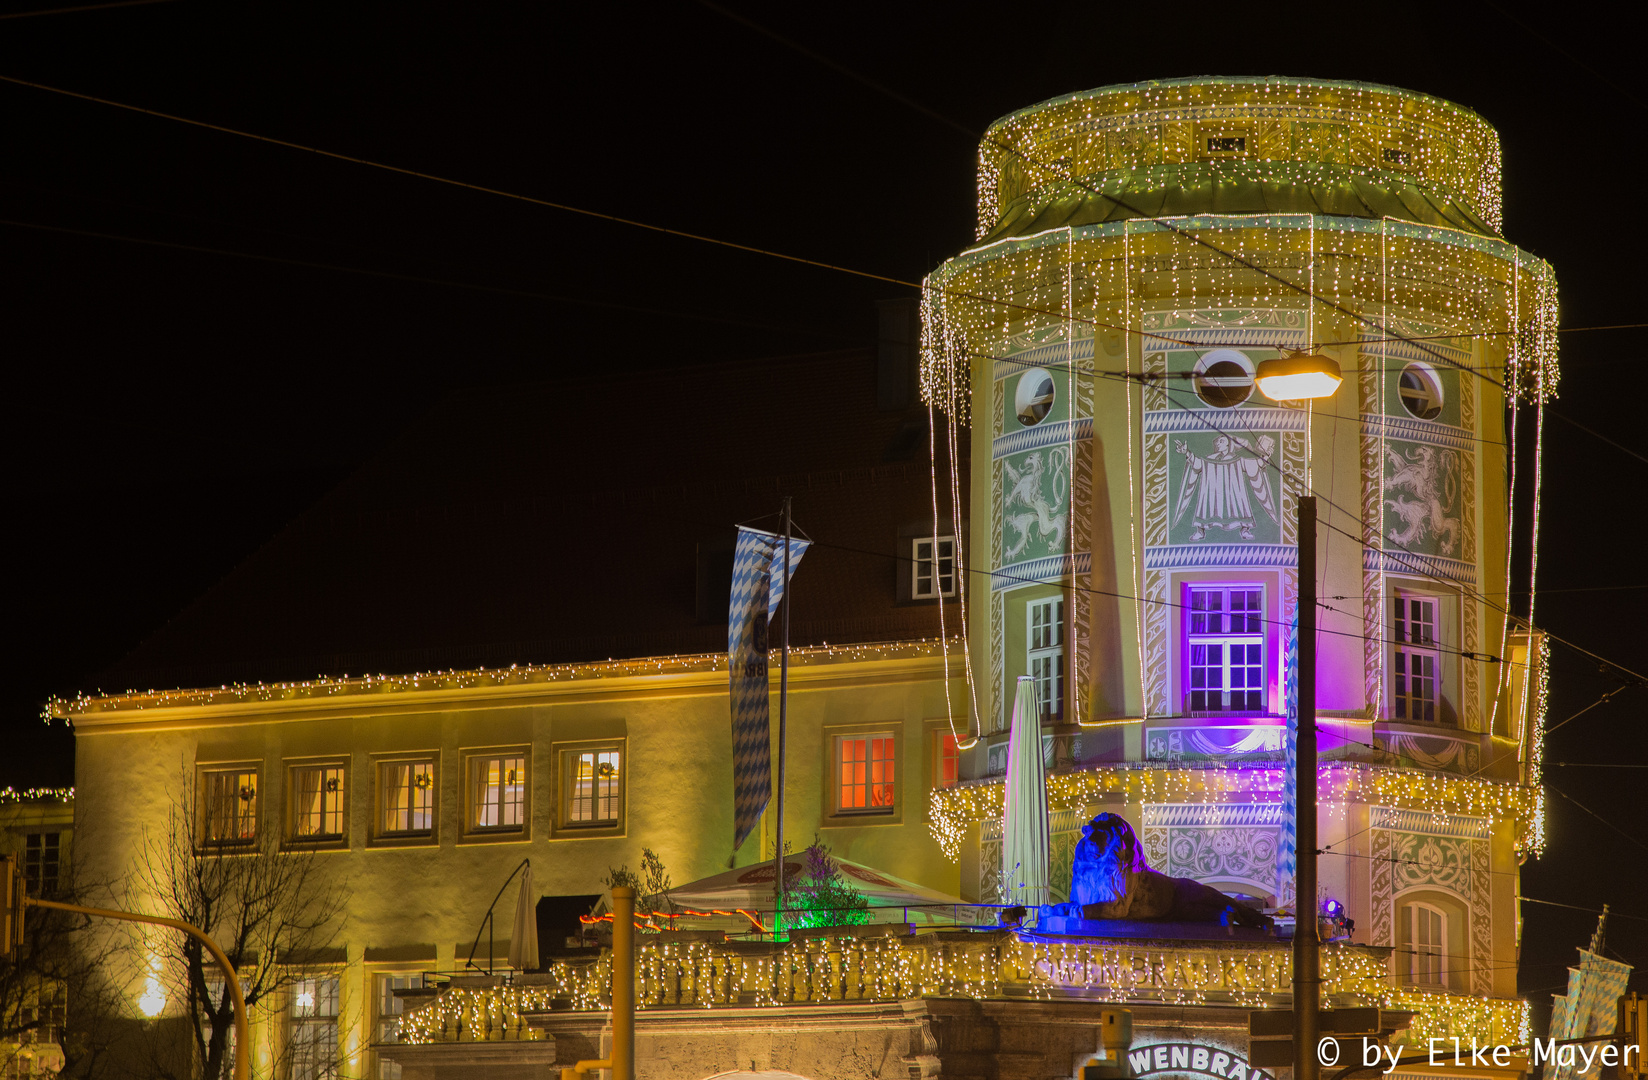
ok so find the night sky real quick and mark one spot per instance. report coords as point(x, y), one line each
point(250, 321)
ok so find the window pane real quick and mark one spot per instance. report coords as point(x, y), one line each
point(407, 792)
point(865, 772)
point(390, 1008)
point(593, 789)
point(947, 767)
point(317, 802)
point(497, 792)
point(231, 806)
point(315, 1029)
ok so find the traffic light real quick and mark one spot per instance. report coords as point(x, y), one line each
point(11, 907)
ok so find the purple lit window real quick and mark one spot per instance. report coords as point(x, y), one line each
point(1225, 648)
point(1414, 664)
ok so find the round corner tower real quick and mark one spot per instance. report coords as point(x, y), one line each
point(1140, 250)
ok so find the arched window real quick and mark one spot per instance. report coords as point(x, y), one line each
point(1422, 946)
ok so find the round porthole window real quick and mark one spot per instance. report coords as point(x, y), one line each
point(1224, 378)
point(1034, 398)
point(1421, 391)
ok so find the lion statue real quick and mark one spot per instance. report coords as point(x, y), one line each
point(1109, 879)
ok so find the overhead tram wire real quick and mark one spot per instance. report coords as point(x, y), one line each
point(1639, 843)
point(416, 279)
point(684, 234)
point(666, 230)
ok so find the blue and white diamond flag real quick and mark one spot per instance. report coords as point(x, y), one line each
point(757, 587)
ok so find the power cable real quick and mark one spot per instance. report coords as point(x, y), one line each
point(1598, 816)
point(1612, 914)
point(82, 7)
point(415, 278)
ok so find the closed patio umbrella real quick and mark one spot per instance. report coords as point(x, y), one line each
point(523, 939)
point(1024, 871)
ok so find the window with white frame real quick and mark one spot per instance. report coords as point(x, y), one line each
point(390, 1007)
point(1045, 653)
point(497, 792)
point(592, 787)
point(314, 1031)
point(1416, 659)
point(1423, 946)
point(229, 805)
point(406, 798)
point(319, 802)
point(42, 860)
point(865, 773)
point(1225, 649)
point(933, 566)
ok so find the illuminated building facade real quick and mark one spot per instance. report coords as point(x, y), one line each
point(1131, 549)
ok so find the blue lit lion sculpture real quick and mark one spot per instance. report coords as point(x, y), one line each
point(1109, 879)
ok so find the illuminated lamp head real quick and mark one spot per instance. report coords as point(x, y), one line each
point(1332, 908)
point(1298, 377)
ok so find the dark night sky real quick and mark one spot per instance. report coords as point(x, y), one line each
point(170, 409)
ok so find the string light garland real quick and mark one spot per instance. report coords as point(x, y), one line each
point(953, 811)
point(37, 794)
point(1365, 126)
point(515, 675)
point(977, 966)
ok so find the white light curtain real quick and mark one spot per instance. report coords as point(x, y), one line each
point(523, 938)
point(1024, 871)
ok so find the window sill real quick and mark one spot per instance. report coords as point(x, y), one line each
point(501, 835)
point(315, 843)
point(853, 819)
point(595, 831)
point(404, 840)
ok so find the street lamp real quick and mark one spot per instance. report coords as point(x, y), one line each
point(1299, 377)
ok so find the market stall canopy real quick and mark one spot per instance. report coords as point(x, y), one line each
point(892, 899)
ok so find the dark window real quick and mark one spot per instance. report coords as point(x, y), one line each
point(1227, 144)
point(1397, 157)
point(41, 860)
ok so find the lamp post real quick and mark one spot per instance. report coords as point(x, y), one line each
point(1299, 377)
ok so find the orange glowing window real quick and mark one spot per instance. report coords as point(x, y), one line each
point(946, 760)
point(864, 774)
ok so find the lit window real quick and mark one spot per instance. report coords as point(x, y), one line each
point(406, 798)
point(1225, 649)
point(314, 1041)
point(318, 802)
point(389, 1015)
point(1422, 952)
point(1045, 657)
point(230, 806)
point(1415, 660)
point(935, 574)
point(497, 792)
point(41, 860)
point(594, 787)
point(864, 774)
point(946, 760)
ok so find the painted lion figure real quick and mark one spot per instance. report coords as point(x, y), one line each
point(1110, 879)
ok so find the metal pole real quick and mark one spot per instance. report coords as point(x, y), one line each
point(783, 707)
point(1306, 962)
point(243, 1037)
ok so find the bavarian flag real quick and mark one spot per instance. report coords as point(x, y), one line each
point(757, 587)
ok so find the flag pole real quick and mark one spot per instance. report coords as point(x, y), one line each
point(783, 704)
